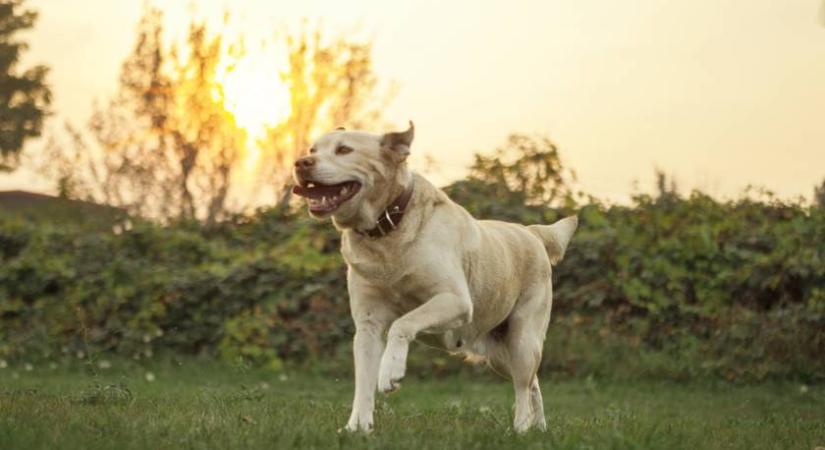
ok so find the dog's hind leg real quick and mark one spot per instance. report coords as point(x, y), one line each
point(525, 356)
point(537, 405)
point(512, 362)
point(518, 353)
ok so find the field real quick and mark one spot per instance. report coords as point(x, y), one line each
point(194, 405)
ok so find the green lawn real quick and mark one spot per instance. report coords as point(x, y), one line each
point(193, 405)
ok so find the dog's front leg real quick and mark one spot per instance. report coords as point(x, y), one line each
point(372, 317)
point(367, 347)
point(443, 311)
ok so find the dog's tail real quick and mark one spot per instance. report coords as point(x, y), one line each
point(556, 236)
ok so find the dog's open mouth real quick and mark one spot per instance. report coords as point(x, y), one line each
point(326, 198)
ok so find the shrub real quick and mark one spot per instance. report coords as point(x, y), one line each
point(667, 286)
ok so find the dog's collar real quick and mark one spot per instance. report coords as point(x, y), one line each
point(391, 217)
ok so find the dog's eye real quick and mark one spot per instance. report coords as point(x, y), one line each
point(312, 150)
point(343, 150)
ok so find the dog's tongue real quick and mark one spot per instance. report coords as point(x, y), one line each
point(317, 191)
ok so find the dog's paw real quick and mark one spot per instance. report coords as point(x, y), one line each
point(359, 421)
point(521, 428)
point(355, 426)
point(388, 385)
point(522, 424)
point(393, 365)
point(390, 375)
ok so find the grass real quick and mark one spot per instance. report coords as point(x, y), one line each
point(195, 405)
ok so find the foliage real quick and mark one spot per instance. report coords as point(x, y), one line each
point(511, 182)
point(819, 195)
point(183, 288)
point(24, 96)
point(167, 146)
point(667, 286)
point(528, 166)
point(331, 84)
point(37, 208)
point(733, 289)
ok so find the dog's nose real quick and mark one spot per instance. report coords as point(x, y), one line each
point(305, 163)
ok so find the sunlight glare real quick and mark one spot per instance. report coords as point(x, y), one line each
point(255, 95)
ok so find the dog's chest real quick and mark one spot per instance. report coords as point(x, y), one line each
point(385, 268)
point(398, 272)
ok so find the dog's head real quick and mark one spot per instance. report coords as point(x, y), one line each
point(353, 175)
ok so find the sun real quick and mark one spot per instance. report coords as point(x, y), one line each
point(254, 94)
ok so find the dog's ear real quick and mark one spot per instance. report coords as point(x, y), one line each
point(340, 129)
point(399, 143)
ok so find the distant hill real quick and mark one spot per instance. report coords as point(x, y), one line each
point(47, 208)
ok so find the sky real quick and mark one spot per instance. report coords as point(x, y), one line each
point(719, 93)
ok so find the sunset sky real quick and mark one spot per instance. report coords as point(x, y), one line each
point(720, 93)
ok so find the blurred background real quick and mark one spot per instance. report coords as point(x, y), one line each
point(146, 149)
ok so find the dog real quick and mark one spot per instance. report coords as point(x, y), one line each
point(419, 264)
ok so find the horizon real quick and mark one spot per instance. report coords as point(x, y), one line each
point(720, 96)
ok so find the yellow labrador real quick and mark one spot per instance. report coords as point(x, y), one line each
point(420, 263)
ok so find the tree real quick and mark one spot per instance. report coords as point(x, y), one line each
point(165, 145)
point(521, 181)
point(529, 165)
point(24, 96)
point(331, 84)
point(207, 140)
point(819, 195)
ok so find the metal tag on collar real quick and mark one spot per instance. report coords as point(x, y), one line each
point(389, 219)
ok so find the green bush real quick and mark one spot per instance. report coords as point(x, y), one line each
point(261, 290)
point(666, 286)
point(730, 288)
